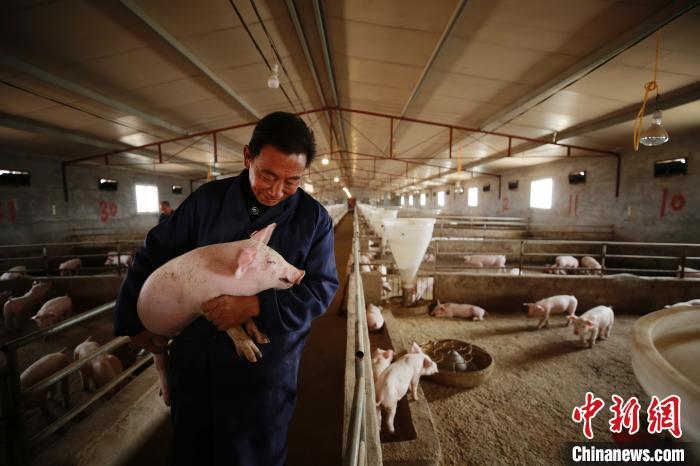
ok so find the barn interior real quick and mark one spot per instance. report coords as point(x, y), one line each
point(478, 153)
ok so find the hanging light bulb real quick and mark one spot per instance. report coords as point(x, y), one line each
point(336, 179)
point(458, 188)
point(215, 170)
point(273, 82)
point(655, 134)
point(325, 161)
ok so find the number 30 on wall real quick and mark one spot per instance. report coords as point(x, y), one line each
point(107, 210)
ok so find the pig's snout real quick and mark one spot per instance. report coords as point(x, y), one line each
point(299, 275)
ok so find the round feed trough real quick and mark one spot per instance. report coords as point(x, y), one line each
point(418, 309)
point(460, 364)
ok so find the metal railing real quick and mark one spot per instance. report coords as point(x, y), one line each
point(40, 253)
point(526, 254)
point(13, 429)
point(363, 413)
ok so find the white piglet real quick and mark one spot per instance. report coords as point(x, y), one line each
point(594, 323)
point(399, 378)
point(692, 302)
point(591, 265)
point(463, 311)
point(560, 304)
point(380, 361)
point(375, 320)
point(485, 260)
point(53, 311)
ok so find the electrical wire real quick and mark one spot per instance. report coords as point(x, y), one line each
point(649, 87)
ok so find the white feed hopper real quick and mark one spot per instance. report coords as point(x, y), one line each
point(409, 239)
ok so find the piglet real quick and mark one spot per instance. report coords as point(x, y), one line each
point(692, 302)
point(689, 272)
point(562, 263)
point(114, 258)
point(483, 260)
point(54, 310)
point(375, 320)
point(100, 370)
point(15, 272)
point(16, 308)
point(594, 323)
point(560, 304)
point(423, 284)
point(70, 266)
point(400, 377)
point(380, 361)
point(463, 311)
point(429, 257)
point(40, 370)
point(172, 296)
point(591, 265)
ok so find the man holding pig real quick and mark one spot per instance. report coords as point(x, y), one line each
point(226, 410)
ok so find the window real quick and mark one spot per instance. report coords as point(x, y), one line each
point(176, 189)
point(473, 197)
point(105, 184)
point(410, 199)
point(403, 200)
point(512, 185)
point(486, 188)
point(441, 198)
point(541, 194)
point(422, 199)
point(146, 198)
point(577, 177)
point(14, 178)
point(671, 167)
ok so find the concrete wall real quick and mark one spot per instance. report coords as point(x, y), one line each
point(648, 208)
point(39, 213)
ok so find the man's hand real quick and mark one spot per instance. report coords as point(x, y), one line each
point(150, 342)
point(230, 311)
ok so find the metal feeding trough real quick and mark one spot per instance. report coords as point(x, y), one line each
point(460, 364)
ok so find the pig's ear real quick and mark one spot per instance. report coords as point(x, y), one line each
point(427, 362)
point(35, 318)
point(415, 348)
point(589, 323)
point(264, 235)
point(245, 260)
point(572, 318)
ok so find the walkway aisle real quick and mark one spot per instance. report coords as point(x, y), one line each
point(315, 433)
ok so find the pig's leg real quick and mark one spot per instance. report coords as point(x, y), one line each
point(253, 331)
point(244, 345)
point(379, 417)
point(594, 336)
point(414, 388)
point(543, 319)
point(161, 362)
point(391, 412)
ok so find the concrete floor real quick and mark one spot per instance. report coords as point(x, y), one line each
point(315, 433)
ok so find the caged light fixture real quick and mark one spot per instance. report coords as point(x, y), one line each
point(655, 134)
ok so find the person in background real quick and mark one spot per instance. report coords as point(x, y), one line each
point(165, 211)
point(226, 410)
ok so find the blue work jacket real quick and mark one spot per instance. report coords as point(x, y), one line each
point(226, 410)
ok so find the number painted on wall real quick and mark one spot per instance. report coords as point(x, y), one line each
point(573, 205)
point(505, 204)
point(675, 201)
point(107, 210)
point(11, 211)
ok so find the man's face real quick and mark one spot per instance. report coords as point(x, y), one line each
point(166, 209)
point(274, 175)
